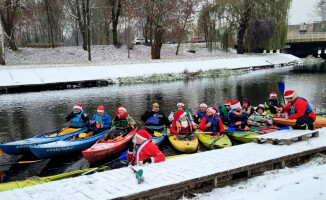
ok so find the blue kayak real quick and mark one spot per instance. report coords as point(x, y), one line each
point(157, 139)
point(67, 145)
point(22, 146)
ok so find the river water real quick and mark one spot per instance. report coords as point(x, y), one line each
point(24, 115)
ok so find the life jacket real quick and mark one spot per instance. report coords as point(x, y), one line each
point(200, 113)
point(153, 119)
point(77, 121)
point(215, 126)
point(293, 110)
point(236, 124)
point(224, 111)
point(186, 110)
point(180, 128)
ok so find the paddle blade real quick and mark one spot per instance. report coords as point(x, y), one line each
point(157, 134)
point(139, 175)
point(123, 156)
point(26, 162)
point(281, 87)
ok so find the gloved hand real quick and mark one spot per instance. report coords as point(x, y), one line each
point(131, 147)
point(148, 160)
point(116, 118)
point(99, 126)
point(93, 121)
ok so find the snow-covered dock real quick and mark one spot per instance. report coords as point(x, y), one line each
point(22, 78)
point(174, 177)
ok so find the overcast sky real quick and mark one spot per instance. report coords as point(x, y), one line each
point(302, 11)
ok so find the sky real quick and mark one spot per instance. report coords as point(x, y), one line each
point(302, 11)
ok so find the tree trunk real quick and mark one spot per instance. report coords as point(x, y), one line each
point(2, 48)
point(244, 22)
point(157, 45)
point(82, 25)
point(49, 21)
point(88, 31)
point(115, 13)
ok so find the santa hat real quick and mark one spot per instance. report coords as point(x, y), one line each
point(181, 104)
point(179, 114)
point(100, 109)
point(143, 134)
point(235, 105)
point(288, 94)
point(203, 105)
point(273, 94)
point(78, 106)
point(122, 108)
point(227, 102)
point(212, 109)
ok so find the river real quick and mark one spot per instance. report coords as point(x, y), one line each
point(24, 115)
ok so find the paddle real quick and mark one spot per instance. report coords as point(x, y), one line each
point(102, 167)
point(281, 87)
point(21, 162)
point(139, 174)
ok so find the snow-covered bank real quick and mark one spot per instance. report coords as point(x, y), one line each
point(121, 182)
point(21, 75)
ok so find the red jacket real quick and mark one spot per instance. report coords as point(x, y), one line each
point(176, 128)
point(300, 106)
point(145, 151)
point(203, 123)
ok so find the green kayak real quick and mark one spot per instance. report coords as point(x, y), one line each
point(214, 142)
point(242, 136)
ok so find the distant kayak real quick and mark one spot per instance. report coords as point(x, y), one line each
point(22, 146)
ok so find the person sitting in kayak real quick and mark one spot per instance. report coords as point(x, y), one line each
point(155, 117)
point(180, 106)
point(237, 117)
point(100, 121)
point(224, 110)
point(121, 124)
point(245, 106)
point(141, 151)
point(298, 108)
point(212, 122)
point(78, 118)
point(200, 113)
point(259, 118)
point(181, 124)
point(272, 103)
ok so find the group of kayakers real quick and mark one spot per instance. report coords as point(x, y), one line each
point(234, 114)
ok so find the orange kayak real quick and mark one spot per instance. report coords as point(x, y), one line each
point(319, 123)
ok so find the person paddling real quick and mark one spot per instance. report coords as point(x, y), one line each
point(212, 122)
point(272, 103)
point(236, 117)
point(155, 117)
point(181, 124)
point(200, 113)
point(245, 105)
point(298, 108)
point(259, 118)
point(78, 118)
point(101, 120)
point(224, 111)
point(180, 106)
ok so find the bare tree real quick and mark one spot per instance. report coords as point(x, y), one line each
point(116, 6)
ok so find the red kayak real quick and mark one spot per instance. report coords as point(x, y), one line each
point(103, 149)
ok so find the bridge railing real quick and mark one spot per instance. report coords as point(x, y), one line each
point(307, 36)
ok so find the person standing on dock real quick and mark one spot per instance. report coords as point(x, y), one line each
point(236, 117)
point(298, 108)
point(180, 106)
point(200, 113)
point(224, 111)
point(78, 118)
point(212, 122)
point(155, 117)
point(101, 120)
point(272, 103)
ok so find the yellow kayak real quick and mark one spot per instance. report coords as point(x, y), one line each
point(184, 143)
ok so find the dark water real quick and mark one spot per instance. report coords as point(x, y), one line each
point(27, 114)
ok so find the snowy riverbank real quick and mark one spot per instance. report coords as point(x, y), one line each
point(36, 74)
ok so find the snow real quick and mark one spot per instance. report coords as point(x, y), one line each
point(305, 182)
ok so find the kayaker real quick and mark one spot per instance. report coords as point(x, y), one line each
point(180, 106)
point(224, 110)
point(200, 113)
point(181, 124)
point(121, 124)
point(237, 117)
point(155, 117)
point(272, 103)
point(260, 118)
point(78, 118)
point(298, 108)
point(141, 151)
point(245, 105)
point(100, 121)
point(212, 122)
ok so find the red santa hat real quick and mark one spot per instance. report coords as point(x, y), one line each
point(122, 108)
point(78, 106)
point(203, 105)
point(143, 134)
point(288, 94)
point(273, 94)
point(179, 114)
point(181, 104)
point(227, 102)
point(212, 109)
point(235, 104)
point(100, 109)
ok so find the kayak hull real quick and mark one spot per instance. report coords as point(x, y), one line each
point(319, 123)
point(214, 142)
point(185, 146)
point(242, 136)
